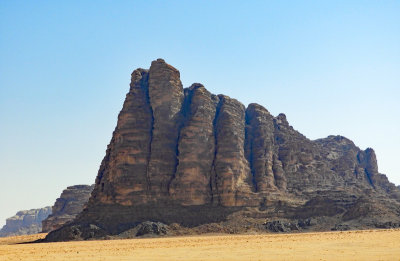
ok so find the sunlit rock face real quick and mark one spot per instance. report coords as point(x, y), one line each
point(25, 222)
point(186, 156)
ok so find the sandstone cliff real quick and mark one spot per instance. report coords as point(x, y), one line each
point(67, 206)
point(25, 222)
point(187, 156)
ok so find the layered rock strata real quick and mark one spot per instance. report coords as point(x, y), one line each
point(25, 222)
point(190, 157)
point(70, 203)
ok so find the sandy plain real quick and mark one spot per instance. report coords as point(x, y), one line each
point(349, 245)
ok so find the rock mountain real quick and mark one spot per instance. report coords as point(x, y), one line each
point(25, 222)
point(193, 160)
point(67, 206)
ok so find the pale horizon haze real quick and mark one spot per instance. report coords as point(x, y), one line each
point(333, 67)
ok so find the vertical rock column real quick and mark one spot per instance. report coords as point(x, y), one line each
point(191, 185)
point(233, 176)
point(166, 99)
point(122, 176)
point(260, 147)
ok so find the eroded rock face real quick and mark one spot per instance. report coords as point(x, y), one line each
point(190, 157)
point(129, 149)
point(194, 174)
point(67, 206)
point(25, 222)
point(260, 150)
point(166, 99)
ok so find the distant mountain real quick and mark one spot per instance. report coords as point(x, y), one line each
point(204, 162)
point(25, 222)
point(70, 203)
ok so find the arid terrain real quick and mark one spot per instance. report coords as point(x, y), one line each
point(349, 245)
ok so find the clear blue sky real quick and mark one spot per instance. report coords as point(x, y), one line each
point(332, 66)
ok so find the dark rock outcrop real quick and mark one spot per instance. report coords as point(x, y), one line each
point(151, 228)
point(78, 232)
point(280, 226)
point(25, 222)
point(67, 206)
point(187, 156)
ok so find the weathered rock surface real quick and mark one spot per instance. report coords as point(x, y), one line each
point(151, 228)
point(206, 161)
point(25, 222)
point(67, 206)
point(279, 226)
point(191, 185)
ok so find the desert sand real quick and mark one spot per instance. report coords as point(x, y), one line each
point(349, 245)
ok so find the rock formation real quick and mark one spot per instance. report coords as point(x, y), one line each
point(189, 157)
point(25, 222)
point(67, 206)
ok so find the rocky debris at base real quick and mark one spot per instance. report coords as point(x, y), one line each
point(152, 228)
point(341, 227)
point(279, 226)
point(287, 226)
point(76, 232)
point(148, 229)
point(388, 224)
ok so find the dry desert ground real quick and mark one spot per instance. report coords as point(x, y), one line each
point(350, 245)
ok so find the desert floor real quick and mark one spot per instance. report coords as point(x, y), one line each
point(352, 245)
